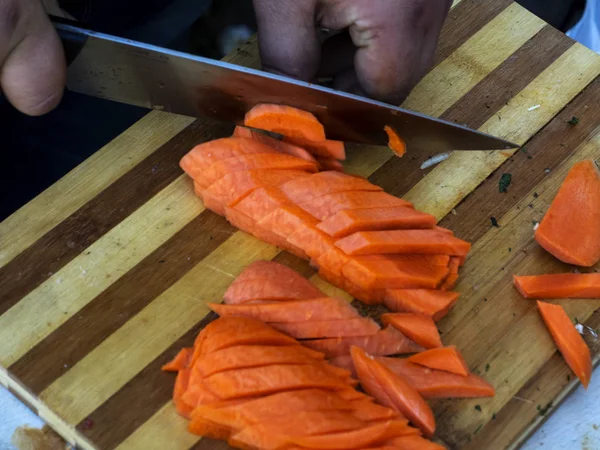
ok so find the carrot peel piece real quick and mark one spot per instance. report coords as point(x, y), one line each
point(395, 143)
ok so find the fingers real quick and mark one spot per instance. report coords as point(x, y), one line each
point(32, 65)
point(287, 37)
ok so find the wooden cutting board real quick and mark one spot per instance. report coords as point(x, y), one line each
point(106, 275)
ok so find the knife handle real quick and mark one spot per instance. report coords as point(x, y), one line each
point(72, 41)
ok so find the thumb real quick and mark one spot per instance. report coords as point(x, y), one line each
point(287, 37)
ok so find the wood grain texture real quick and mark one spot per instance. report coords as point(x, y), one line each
point(135, 282)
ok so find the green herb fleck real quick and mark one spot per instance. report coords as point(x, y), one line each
point(574, 121)
point(544, 410)
point(494, 222)
point(524, 150)
point(504, 182)
point(477, 429)
point(478, 408)
point(487, 367)
point(494, 416)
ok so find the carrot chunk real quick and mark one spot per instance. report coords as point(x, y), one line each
point(417, 327)
point(313, 329)
point(447, 359)
point(561, 285)
point(180, 362)
point(395, 143)
point(285, 120)
point(568, 340)
point(429, 302)
point(278, 144)
point(312, 240)
point(261, 202)
point(569, 230)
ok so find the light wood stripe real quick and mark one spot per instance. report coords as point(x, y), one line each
point(79, 186)
point(449, 182)
point(473, 61)
point(80, 281)
point(455, 2)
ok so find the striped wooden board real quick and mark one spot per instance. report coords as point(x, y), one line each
point(106, 274)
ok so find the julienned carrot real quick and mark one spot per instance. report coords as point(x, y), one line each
point(429, 302)
point(180, 362)
point(349, 221)
point(439, 384)
point(417, 327)
point(447, 359)
point(568, 340)
point(403, 242)
point(395, 143)
point(278, 144)
point(561, 285)
point(322, 149)
point(285, 120)
point(314, 329)
point(569, 230)
point(392, 390)
point(414, 443)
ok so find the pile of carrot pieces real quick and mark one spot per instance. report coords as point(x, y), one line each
point(570, 232)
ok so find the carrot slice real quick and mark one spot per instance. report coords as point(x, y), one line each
point(447, 359)
point(568, 340)
point(330, 164)
point(436, 383)
point(403, 242)
point(180, 362)
point(395, 143)
point(261, 202)
point(450, 282)
point(429, 302)
point(313, 329)
point(181, 385)
point(266, 336)
point(569, 230)
point(259, 270)
point(278, 144)
point(388, 341)
point(326, 308)
point(312, 240)
point(323, 149)
point(326, 206)
point(270, 289)
point(414, 443)
point(285, 120)
point(324, 183)
point(346, 222)
point(561, 285)
point(417, 327)
point(392, 390)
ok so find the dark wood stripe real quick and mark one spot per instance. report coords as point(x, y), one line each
point(211, 444)
point(85, 226)
point(71, 342)
point(293, 262)
point(398, 175)
point(547, 150)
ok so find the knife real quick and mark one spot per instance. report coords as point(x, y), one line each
point(145, 75)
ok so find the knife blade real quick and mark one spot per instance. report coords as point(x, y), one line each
point(145, 75)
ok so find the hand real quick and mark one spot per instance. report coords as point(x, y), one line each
point(32, 63)
point(388, 47)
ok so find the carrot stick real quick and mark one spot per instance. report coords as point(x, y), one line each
point(313, 329)
point(562, 285)
point(312, 240)
point(447, 359)
point(568, 340)
point(270, 289)
point(285, 120)
point(395, 143)
point(262, 202)
point(417, 327)
point(414, 443)
point(180, 362)
point(429, 302)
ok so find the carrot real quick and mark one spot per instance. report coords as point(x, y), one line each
point(261, 269)
point(198, 394)
point(278, 144)
point(287, 220)
point(181, 385)
point(388, 341)
point(414, 443)
point(417, 327)
point(568, 340)
point(330, 164)
point(569, 230)
point(348, 221)
point(312, 240)
point(392, 390)
point(270, 236)
point(266, 336)
point(180, 362)
point(395, 143)
point(450, 282)
point(560, 285)
point(322, 149)
point(432, 383)
point(285, 120)
point(368, 411)
point(403, 242)
point(313, 329)
point(261, 202)
point(240, 220)
point(447, 359)
point(429, 302)
point(326, 206)
point(326, 308)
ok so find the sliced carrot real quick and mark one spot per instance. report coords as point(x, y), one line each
point(447, 359)
point(287, 220)
point(450, 282)
point(367, 296)
point(388, 341)
point(312, 240)
point(568, 340)
point(269, 236)
point(414, 443)
point(240, 220)
point(330, 164)
point(270, 289)
point(278, 144)
point(266, 336)
point(180, 362)
point(392, 390)
point(326, 308)
point(346, 222)
point(560, 285)
point(454, 264)
point(198, 190)
point(261, 202)
point(181, 385)
point(202, 426)
point(261, 269)
point(417, 327)
point(285, 120)
point(403, 242)
point(436, 383)
point(429, 302)
point(314, 329)
point(395, 143)
point(369, 411)
point(326, 206)
point(198, 394)
point(569, 230)
point(323, 149)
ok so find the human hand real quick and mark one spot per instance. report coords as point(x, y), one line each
point(32, 62)
point(389, 45)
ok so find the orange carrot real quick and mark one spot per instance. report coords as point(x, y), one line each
point(414, 443)
point(180, 362)
point(568, 340)
point(429, 302)
point(403, 242)
point(392, 390)
point(278, 144)
point(262, 269)
point(265, 336)
point(287, 220)
point(285, 120)
point(312, 240)
point(417, 327)
point(447, 359)
point(261, 202)
point(395, 143)
point(561, 285)
point(181, 385)
point(346, 222)
point(270, 289)
point(313, 329)
point(436, 383)
point(333, 150)
point(450, 282)
point(569, 230)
